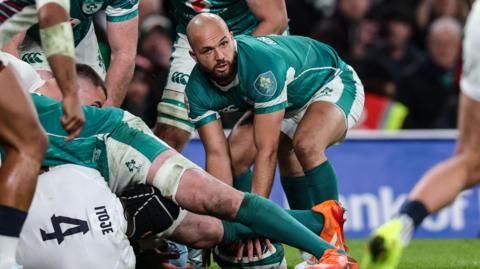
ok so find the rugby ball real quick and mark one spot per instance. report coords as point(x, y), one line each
point(271, 259)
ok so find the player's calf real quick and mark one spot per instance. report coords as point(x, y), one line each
point(472, 163)
point(241, 144)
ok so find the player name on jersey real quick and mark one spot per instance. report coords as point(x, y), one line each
point(104, 218)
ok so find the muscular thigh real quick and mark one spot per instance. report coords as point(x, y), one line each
point(332, 110)
point(469, 125)
point(323, 122)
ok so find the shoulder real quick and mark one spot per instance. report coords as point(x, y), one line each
point(198, 84)
point(259, 64)
point(199, 92)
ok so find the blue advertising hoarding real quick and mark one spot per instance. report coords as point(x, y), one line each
point(375, 175)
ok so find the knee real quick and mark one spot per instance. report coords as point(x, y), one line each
point(241, 155)
point(239, 161)
point(173, 136)
point(307, 148)
point(33, 144)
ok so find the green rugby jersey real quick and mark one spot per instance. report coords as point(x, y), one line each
point(120, 146)
point(274, 73)
point(82, 12)
point(235, 13)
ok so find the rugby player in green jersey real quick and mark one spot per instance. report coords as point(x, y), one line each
point(303, 97)
point(251, 17)
point(302, 94)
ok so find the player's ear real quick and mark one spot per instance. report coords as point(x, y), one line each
point(193, 55)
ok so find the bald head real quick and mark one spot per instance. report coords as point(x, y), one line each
point(205, 25)
point(212, 47)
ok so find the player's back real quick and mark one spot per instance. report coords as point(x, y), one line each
point(235, 13)
point(75, 221)
point(88, 149)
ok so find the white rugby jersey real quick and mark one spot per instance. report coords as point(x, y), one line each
point(16, 16)
point(75, 221)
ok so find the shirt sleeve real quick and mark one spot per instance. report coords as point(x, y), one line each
point(122, 10)
point(198, 102)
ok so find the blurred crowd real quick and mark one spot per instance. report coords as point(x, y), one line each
point(407, 53)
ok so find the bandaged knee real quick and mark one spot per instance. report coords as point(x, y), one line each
point(169, 174)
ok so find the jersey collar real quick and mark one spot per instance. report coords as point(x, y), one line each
point(227, 87)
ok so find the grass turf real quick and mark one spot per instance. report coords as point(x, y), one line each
point(421, 254)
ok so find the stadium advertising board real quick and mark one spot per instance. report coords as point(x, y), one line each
point(375, 175)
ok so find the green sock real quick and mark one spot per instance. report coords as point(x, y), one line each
point(243, 182)
point(297, 193)
point(270, 221)
point(233, 231)
point(322, 183)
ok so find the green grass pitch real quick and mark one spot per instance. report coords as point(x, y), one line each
point(421, 254)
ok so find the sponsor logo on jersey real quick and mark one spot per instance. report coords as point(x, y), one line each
point(266, 40)
point(180, 78)
point(199, 5)
point(228, 109)
point(327, 91)
point(91, 6)
point(32, 58)
point(266, 84)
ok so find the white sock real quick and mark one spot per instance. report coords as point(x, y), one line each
point(8, 247)
point(407, 229)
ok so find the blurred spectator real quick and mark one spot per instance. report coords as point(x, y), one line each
point(429, 10)
point(376, 77)
point(152, 64)
point(430, 92)
point(139, 89)
point(148, 8)
point(396, 51)
point(339, 31)
point(156, 40)
point(303, 14)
